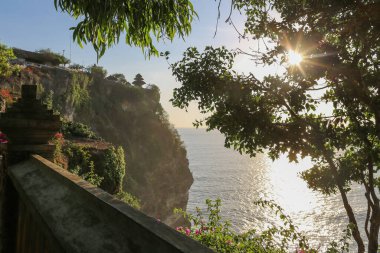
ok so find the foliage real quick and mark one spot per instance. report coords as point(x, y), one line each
point(97, 71)
point(58, 141)
point(138, 81)
point(114, 169)
point(216, 234)
point(78, 93)
point(81, 163)
point(76, 67)
point(77, 129)
point(47, 99)
point(118, 77)
point(53, 57)
point(103, 22)
point(129, 199)
point(6, 68)
point(91, 176)
point(283, 113)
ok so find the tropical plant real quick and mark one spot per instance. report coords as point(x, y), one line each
point(323, 104)
point(103, 22)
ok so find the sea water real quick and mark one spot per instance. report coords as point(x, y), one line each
point(239, 180)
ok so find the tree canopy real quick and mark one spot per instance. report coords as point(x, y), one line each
point(118, 77)
point(338, 46)
point(101, 23)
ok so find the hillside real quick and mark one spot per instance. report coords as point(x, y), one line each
point(157, 169)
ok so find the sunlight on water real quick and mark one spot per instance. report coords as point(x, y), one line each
point(290, 192)
point(240, 180)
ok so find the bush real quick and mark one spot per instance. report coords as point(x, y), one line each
point(97, 71)
point(114, 169)
point(217, 235)
point(53, 57)
point(129, 199)
point(81, 164)
point(76, 129)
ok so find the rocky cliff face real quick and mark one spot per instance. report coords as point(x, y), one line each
point(157, 168)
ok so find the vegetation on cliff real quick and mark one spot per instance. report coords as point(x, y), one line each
point(127, 116)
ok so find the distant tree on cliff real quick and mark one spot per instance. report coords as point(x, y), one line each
point(118, 77)
point(329, 53)
point(97, 71)
point(139, 80)
point(76, 67)
point(103, 22)
point(53, 57)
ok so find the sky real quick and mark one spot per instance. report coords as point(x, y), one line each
point(35, 24)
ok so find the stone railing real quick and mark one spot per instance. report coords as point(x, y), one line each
point(45, 208)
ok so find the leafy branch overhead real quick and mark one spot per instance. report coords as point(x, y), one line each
point(101, 23)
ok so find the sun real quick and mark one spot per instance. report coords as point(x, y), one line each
point(294, 58)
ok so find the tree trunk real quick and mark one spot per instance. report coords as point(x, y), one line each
point(373, 244)
point(351, 218)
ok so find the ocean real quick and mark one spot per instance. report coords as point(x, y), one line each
point(239, 180)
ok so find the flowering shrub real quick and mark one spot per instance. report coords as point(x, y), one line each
point(6, 95)
point(3, 138)
point(217, 235)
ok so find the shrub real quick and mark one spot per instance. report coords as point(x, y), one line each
point(81, 164)
point(129, 199)
point(114, 169)
point(76, 129)
point(97, 71)
point(217, 235)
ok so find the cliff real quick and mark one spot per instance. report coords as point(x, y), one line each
point(157, 169)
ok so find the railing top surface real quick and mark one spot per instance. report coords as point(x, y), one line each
point(84, 218)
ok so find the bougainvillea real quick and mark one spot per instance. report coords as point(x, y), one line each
point(6, 95)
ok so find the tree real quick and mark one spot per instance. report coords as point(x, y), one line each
point(340, 46)
point(52, 57)
point(118, 77)
point(77, 67)
point(97, 71)
point(103, 22)
point(139, 80)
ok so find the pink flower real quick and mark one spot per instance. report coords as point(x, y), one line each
point(187, 231)
point(179, 228)
point(58, 136)
point(3, 138)
point(198, 231)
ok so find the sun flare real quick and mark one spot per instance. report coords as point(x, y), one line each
point(294, 58)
